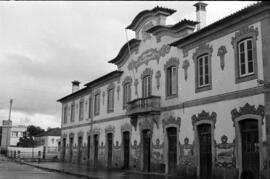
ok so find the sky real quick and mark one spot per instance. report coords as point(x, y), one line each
point(46, 45)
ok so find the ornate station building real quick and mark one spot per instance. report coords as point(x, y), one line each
point(188, 98)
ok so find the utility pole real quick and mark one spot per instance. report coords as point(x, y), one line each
point(9, 121)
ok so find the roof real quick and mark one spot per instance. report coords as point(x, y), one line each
point(149, 13)
point(175, 27)
point(51, 132)
point(104, 78)
point(124, 51)
point(227, 19)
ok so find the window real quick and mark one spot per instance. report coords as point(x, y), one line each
point(110, 100)
point(14, 134)
point(81, 110)
point(90, 108)
point(65, 114)
point(203, 71)
point(126, 93)
point(246, 63)
point(245, 51)
point(146, 86)
point(72, 116)
point(97, 104)
point(203, 76)
point(171, 81)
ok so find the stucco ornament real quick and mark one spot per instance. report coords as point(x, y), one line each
point(136, 82)
point(118, 92)
point(185, 67)
point(110, 129)
point(146, 36)
point(148, 55)
point(221, 53)
point(80, 134)
point(147, 71)
point(204, 116)
point(244, 32)
point(158, 75)
point(203, 48)
point(126, 127)
point(157, 145)
point(187, 154)
point(96, 131)
point(247, 109)
point(225, 153)
point(171, 120)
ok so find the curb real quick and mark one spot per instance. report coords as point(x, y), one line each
point(58, 171)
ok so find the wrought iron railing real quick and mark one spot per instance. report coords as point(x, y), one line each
point(144, 105)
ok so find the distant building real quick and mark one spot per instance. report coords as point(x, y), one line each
point(50, 140)
point(11, 134)
point(186, 101)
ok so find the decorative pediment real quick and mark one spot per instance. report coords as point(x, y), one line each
point(146, 123)
point(146, 72)
point(126, 127)
point(96, 131)
point(64, 135)
point(110, 129)
point(173, 61)
point(111, 86)
point(97, 91)
point(204, 116)
point(80, 134)
point(202, 49)
point(171, 120)
point(248, 109)
point(71, 135)
point(243, 33)
point(127, 79)
point(148, 55)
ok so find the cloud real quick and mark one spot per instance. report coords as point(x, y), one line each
point(46, 45)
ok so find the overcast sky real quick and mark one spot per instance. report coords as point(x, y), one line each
point(46, 45)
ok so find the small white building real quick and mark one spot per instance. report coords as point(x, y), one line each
point(50, 140)
point(11, 134)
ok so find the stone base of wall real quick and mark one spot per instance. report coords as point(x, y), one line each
point(225, 173)
point(265, 174)
point(186, 172)
point(158, 167)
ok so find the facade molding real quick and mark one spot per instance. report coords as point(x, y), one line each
point(221, 53)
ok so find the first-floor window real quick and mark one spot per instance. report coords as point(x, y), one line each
point(81, 110)
point(246, 63)
point(90, 108)
point(97, 104)
point(72, 116)
point(203, 71)
point(126, 93)
point(146, 86)
point(171, 81)
point(110, 100)
point(65, 114)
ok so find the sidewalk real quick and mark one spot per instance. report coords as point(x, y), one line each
point(83, 171)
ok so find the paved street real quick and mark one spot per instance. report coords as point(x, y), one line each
point(12, 170)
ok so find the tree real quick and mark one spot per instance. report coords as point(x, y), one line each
point(33, 131)
point(27, 139)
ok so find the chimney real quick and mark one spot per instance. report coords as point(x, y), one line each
point(75, 86)
point(201, 14)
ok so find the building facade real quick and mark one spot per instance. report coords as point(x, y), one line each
point(186, 98)
point(11, 134)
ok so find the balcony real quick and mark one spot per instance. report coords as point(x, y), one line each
point(144, 106)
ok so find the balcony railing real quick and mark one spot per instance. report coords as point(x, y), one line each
point(139, 106)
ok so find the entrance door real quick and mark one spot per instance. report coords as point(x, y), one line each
point(110, 143)
point(96, 150)
point(88, 147)
point(146, 135)
point(250, 148)
point(126, 142)
point(64, 149)
point(172, 149)
point(204, 132)
point(70, 149)
point(79, 149)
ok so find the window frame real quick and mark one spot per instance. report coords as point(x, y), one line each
point(127, 81)
point(90, 111)
point(65, 110)
point(72, 112)
point(173, 62)
point(203, 50)
point(147, 72)
point(97, 103)
point(110, 88)
point(81, 110)
point(245, 33)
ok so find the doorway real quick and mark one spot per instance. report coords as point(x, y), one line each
point(64, 149)
point(79, 149)
point(146, 139)
point(250, 148)
point(204, 132)
point(70, 149)
point(96, 150)
point(172, 149)
point(109, 147)
point(126, 143)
